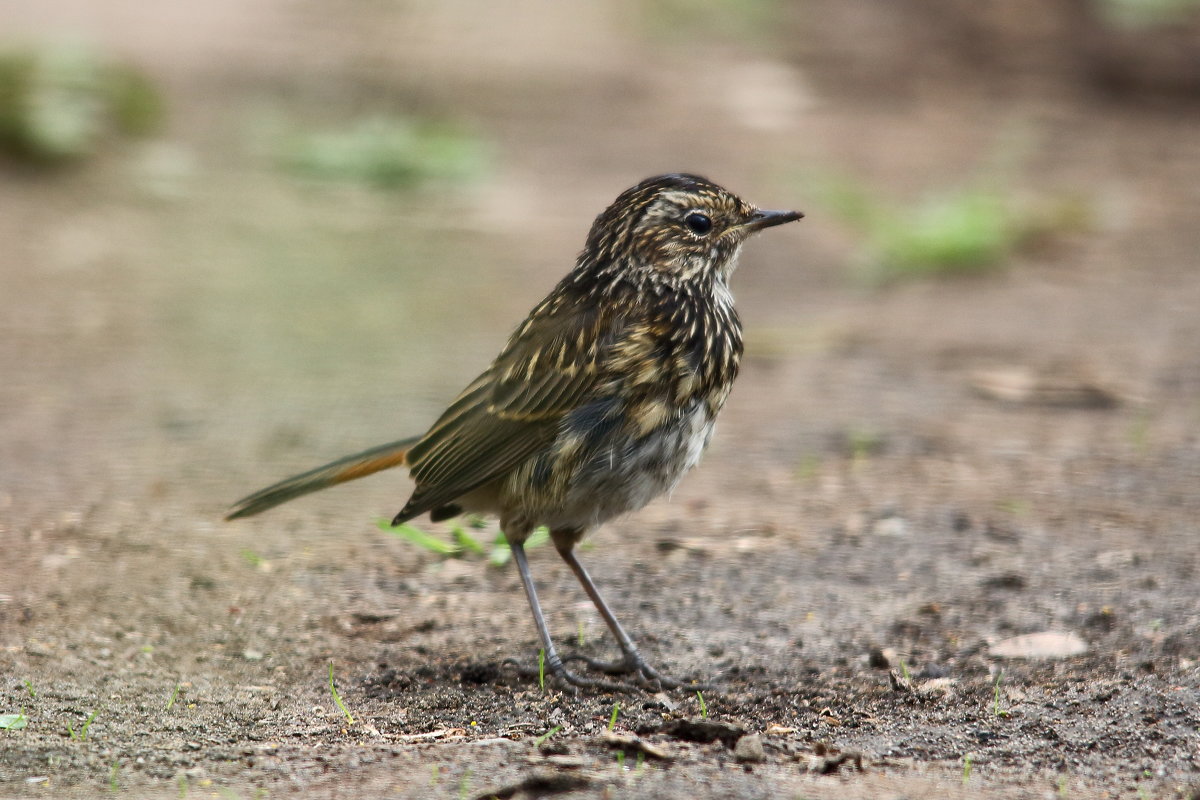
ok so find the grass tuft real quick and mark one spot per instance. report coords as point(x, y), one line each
point(539, 741)
point(82, 734)
point(174, 696)
point(337, 698)
point(996, 710)
point(703, 705)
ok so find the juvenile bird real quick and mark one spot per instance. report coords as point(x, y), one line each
point(600, 401)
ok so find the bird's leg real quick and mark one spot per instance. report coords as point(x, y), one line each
point(631, 661)
point(553, 662)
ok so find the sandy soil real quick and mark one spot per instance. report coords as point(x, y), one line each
point(183, 323)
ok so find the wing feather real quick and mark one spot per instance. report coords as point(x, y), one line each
point(513, 409)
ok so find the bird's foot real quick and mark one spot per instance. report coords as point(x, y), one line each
point(565, 677)
point(646, 676)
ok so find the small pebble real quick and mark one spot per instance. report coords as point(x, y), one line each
point(1047, 644)
point(749, 749)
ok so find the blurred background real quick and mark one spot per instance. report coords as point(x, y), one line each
point(320, 219)
point(238, 239)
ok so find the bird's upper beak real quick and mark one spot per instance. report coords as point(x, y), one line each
point(768, 219)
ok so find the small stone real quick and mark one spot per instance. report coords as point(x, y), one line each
point(890, 526)
point(629, 741)
point(749, 749)
point(1047, 644)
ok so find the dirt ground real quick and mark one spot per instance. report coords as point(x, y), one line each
point(183, 323)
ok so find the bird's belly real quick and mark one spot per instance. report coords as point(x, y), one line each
point(628, 472)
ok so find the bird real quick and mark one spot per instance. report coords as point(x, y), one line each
point(598, 403)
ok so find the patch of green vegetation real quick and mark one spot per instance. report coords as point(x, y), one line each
point(252, 558)
point(29, 688)
point(464, 544)
point(959, 231)
point(1014, 506)
point(863, 442)
point(1139, 432)
point(963, 230)
point(612, 720)
point(703, 705)
point(420, 538)
point(809, 467)
point(1146, 13)
point(386, 152)
point(966, 773)
point(59, 102)
point(13, 722)
point(542, 669)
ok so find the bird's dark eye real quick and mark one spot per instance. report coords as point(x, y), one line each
point(698, 223)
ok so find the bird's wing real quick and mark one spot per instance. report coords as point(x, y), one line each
point(513, 409)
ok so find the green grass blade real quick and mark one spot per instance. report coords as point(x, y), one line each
point(13, 722)
point(337, 698)
point(419, 538)
point(466, 541)
point(87, 723)
point(541, 739)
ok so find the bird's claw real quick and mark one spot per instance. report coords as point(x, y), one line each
point(569, 680)
point(646, 676)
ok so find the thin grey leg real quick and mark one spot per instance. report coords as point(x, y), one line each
point(553, 662)
point(632, 661)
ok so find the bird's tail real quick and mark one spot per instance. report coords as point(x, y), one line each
point(345, 469)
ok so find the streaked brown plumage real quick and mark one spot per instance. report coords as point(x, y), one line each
point(601, 400)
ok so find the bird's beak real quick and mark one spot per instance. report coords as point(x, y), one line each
point(769, 219)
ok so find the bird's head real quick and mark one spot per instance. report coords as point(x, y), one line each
point(677, 228)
